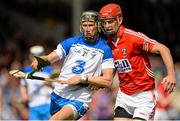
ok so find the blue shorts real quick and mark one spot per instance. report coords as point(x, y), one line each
point(39, 112)
point(57, 102)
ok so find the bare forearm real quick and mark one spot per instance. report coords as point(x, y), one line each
point(166, 56)
point(167, 59)
point(170, 80)
point(52, 57)
point(100, 81)
point(105, 80)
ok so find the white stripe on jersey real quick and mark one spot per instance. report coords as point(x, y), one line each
point(150, 72)
point(140, 35)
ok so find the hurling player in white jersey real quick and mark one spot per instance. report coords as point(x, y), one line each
point(88, 62)
point(36, 94)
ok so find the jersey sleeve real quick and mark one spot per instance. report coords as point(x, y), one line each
point(63, 48)
point(145, 43)
point(108, 61)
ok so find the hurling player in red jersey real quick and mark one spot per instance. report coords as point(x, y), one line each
point(136, 98)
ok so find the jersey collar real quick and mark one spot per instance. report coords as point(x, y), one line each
point(119, 35)
point(120, 31)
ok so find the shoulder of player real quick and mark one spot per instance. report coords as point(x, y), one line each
point(129, 33)
point(74, 38)
point(71, 40)
point(102, 40)
point(103, 44)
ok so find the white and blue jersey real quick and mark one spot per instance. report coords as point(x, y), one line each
point(39, 94)
point(81, 58)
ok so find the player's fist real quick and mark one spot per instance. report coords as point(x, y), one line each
point(34, 64)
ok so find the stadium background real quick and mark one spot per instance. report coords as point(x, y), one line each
point(24, 23)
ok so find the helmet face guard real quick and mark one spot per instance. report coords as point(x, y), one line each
point(114, 26)
point(110, 12)
point(90, 16)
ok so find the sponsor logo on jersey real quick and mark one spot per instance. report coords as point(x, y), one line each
point(81, 50)
point(123, 66)
point(77, 50)
point(86, 52)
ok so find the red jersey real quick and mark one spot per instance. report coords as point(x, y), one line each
point(131, 61)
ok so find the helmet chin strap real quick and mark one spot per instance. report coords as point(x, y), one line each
point(109, 33)
point(113, 32)
point(93, 37)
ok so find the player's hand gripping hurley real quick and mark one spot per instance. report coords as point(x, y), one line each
point(22, 75)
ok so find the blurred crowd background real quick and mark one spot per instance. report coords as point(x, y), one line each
point(25, 23)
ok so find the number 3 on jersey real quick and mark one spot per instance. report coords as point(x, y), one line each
point(79, 68)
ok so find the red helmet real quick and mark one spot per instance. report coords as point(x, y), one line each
point(110, 11)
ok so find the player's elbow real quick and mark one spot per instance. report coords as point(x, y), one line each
point(160, 48)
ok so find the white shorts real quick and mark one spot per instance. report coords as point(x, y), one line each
point(139, 105)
